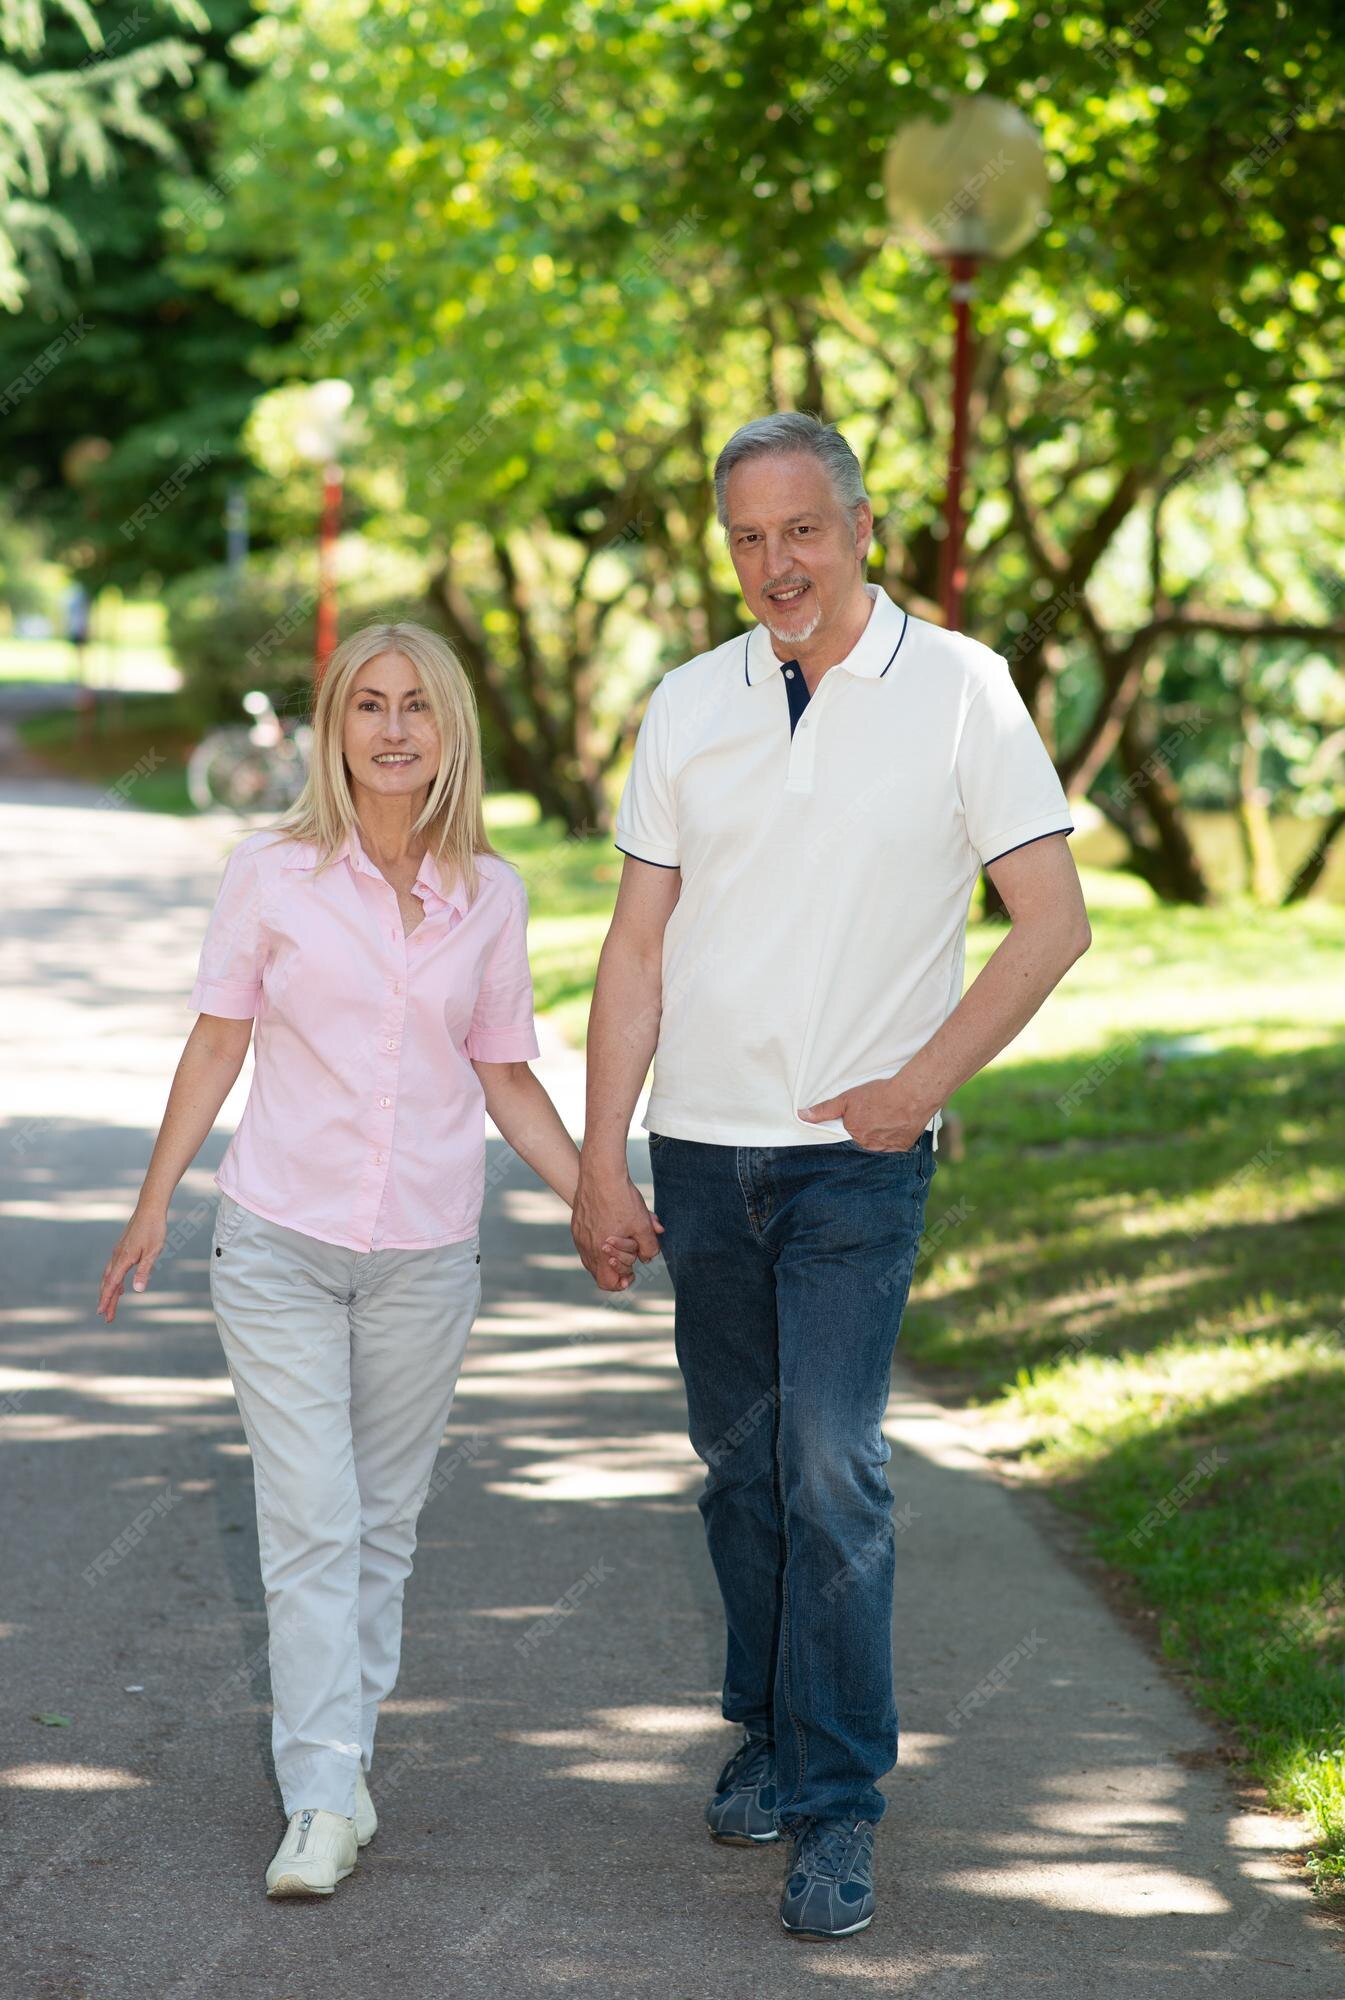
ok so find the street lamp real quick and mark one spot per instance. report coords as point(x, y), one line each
point(971, 188)
point(319, 438)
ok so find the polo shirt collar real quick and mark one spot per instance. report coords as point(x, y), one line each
point(868, 659)
point(428, 884)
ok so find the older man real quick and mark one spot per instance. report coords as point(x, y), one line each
point(805, 818)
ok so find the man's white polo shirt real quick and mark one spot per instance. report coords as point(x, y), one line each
point(827, 867)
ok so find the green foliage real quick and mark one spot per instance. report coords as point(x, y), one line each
point(231, 631)
point(68, 119)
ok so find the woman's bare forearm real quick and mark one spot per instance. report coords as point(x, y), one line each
point(204, 1077)
point(529, 1122)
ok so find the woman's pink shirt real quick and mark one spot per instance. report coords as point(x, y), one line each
point(365, 1122)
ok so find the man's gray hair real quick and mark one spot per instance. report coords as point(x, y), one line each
point(791, 430)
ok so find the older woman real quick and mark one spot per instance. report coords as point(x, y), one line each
point(379, 944)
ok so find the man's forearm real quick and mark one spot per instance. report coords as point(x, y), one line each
point(622, 1036)
point(1027, 964)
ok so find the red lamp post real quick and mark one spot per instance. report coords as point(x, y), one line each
point(971, 188)
point(319, 438)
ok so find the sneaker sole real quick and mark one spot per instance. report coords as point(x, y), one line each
point(299, 1885)
point(744, 1839)
point(825, 1937)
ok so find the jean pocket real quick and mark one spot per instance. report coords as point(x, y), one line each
point(656, 1139)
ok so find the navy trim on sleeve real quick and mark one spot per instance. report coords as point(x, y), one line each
point(640, 857)
point(1028, 843)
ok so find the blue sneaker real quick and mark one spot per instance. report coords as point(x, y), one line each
point(742, 1811)
point(829, 1888)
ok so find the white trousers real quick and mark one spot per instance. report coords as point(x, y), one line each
point(344, 1363)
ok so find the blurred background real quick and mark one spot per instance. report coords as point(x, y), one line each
point(320, 312)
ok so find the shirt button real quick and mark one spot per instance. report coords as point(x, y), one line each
point(392, 1045)
point(378, 1159)
point(789, 673)
point(396, 985)
point(385, 1102)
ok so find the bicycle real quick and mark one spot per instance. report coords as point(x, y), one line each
point(258, 767)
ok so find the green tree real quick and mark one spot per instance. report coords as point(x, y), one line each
point(129, 387)
point(563, 249)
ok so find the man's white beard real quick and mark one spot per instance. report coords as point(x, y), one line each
point(799, 637)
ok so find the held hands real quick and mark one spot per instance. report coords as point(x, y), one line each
point(141, 1242)
point(873, 1115)
point(612, 1226)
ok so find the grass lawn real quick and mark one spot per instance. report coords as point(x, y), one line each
point(1137, 1272)
point(140, 744)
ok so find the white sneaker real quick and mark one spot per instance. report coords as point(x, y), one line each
point(366, 1819)
point(318, 1851)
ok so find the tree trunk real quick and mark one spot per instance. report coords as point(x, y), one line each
point(1161, 853)
point(1253, 815)
point(1312, 867)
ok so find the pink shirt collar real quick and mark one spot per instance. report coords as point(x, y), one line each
point(428, 883)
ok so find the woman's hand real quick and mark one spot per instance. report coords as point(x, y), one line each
point(142, 1240)
point(621, 1252)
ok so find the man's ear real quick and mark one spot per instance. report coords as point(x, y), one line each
point(863, 531)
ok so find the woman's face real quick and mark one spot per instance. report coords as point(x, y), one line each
point(390, 738)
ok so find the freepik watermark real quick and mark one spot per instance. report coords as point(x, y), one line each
point(871, 1554)
point(656, 258)
point(1177, 1496)
point(37, 371)
point(472, 440)
point(1157, 760)
point(351, 308)
point(1111, 52)
point(870, 49)
point(1041, 625)
point(131, 1536)
point(996, 1680)
point(166, 492)
point(900, 1273)
point(563, 1609)
point(1095, 1075)
point(115, 794)
point(1237, 181)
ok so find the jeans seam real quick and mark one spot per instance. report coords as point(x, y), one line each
point(800, 1741)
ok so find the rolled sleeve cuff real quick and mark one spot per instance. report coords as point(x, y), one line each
point(502, 1045)
point(232, 1001)
point(1019, 836)
point(643, 850)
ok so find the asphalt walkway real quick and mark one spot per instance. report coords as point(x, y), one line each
point(1060, 1823)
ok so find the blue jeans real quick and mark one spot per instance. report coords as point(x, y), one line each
point(790, 1268)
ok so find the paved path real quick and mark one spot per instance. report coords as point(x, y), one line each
point(540, 1773)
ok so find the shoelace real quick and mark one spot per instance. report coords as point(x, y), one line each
point(747, 1766)
point(825, 1849)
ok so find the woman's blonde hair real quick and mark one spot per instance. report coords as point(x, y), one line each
point(452, 821)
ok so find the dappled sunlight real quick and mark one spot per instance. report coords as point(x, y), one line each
point(1117, 1886)
point(69, 1778)
point(540, 1385)
point(35, 1427)
point(588, 1354)
point(142, 1391)
point(604, 1469)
